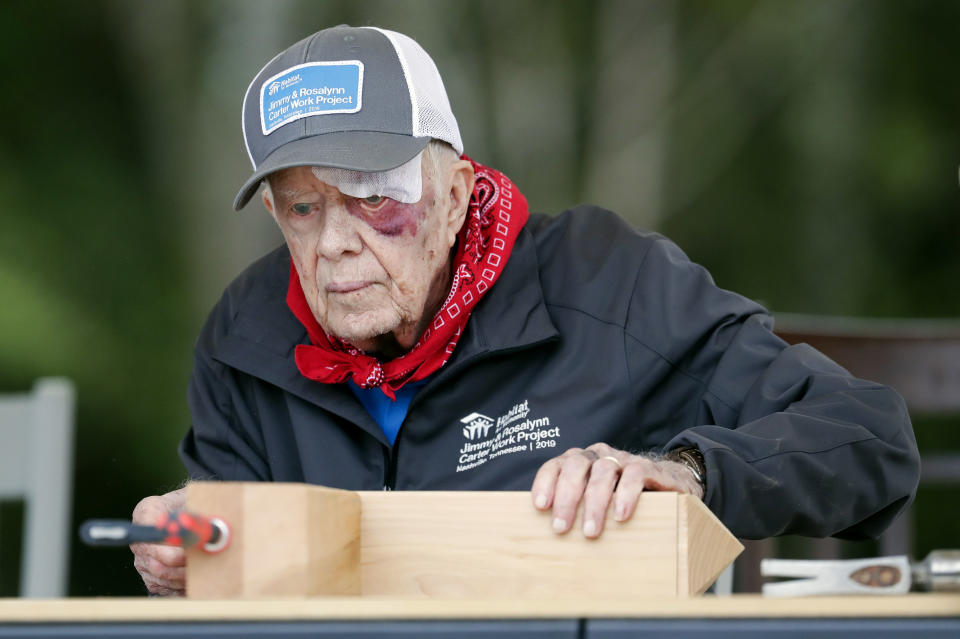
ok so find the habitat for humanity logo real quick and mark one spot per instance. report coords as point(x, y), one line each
point(477, 425)
point(277, 86)
point(515, 431)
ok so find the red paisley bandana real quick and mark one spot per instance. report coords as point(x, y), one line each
point(496, 213)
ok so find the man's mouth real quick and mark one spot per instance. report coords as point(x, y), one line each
point(346, 287)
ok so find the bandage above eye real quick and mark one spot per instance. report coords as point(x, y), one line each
point(403, 184)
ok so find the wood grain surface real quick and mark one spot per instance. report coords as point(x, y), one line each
point(299, 540)
point(360, 608)
point(463, 544)
point(287, 540)
point(704, 546)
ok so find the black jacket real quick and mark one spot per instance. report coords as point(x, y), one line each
point(594, 333)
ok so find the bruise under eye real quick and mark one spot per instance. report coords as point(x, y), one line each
point(388, 217)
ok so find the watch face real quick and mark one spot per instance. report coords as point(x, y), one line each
point(692, 459)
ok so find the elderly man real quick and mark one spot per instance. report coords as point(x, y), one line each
point(420, 330)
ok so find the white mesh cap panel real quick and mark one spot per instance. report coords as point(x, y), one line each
point(432, 115)
point(403, 184)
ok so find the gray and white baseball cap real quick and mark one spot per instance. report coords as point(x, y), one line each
point(358, 98)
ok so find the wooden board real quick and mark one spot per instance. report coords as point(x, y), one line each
point(469, 544)
point(117, 609)
point(705, 547)
point(284, 543)
point(294, 540)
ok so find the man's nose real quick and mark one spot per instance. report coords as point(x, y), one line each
point(338, 233)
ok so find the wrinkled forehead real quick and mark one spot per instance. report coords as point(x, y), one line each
point(291, 181)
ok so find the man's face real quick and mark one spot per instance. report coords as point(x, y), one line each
point(373, 270)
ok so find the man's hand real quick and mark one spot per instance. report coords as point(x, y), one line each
point(598, 474)
point(163, 568)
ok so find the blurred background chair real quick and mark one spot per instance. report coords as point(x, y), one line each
point(36, 466)
point(919, 358)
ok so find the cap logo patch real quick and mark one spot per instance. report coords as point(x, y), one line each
point(314, 88)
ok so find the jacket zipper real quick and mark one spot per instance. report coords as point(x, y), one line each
point(390, 463)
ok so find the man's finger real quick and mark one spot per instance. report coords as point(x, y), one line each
point(169, 555)
point(169, 574)
point(604, 474)
point(601, 449)
point(153, 571)
point(151, 568)
point(544, 484)
point(570, 486)
point(632, 481)
point(149, 511)
point(139, 562)
point(162, 586)
point(175, 499)
point(165, 592)
point(173, 556)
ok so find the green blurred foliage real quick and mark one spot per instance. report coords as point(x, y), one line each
point(805, 151)
point(840, 195)
point(92, 279)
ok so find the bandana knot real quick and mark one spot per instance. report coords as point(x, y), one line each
point(496, 214)
point(374, 376)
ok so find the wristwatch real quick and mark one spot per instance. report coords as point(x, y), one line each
point(692, 458)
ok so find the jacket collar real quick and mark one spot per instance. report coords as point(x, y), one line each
point(261, 337)
point(512, 316)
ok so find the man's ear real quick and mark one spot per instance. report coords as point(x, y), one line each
point(461, 188)
point(267, 197)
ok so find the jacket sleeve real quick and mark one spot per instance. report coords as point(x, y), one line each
point(224, 442)
point(792, 442)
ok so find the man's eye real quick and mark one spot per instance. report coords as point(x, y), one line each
point(302, 208)
point(373, 201)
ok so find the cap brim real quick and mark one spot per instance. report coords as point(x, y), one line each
point(354, 150)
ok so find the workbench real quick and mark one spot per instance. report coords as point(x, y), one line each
point(930, 616)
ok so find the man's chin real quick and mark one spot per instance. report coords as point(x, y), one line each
point(363, 331)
